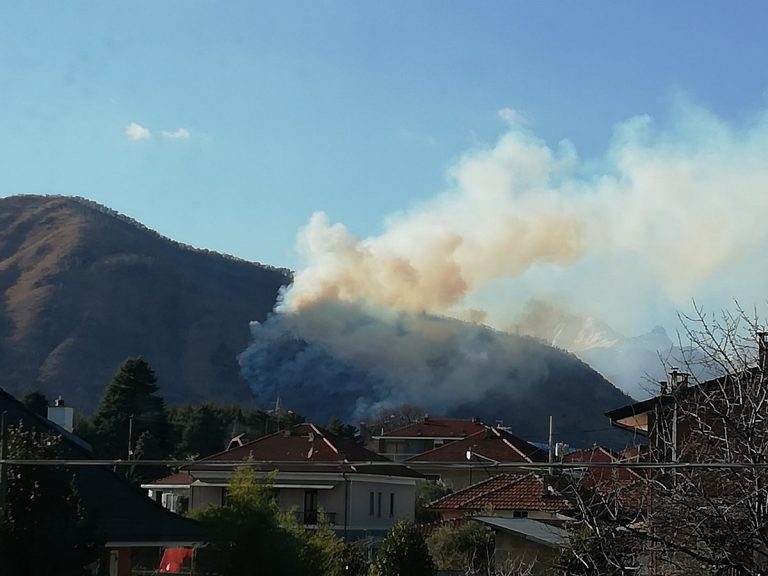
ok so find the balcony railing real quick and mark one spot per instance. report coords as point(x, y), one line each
point(311, 517)
point(396, 456)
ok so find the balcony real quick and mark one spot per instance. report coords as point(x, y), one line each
point(310, 517)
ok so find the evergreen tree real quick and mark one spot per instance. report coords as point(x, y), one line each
point(37, 402)
point(337, 426)
point(131, 407)
point(403, 552)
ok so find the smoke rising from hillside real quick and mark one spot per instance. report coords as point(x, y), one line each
point(668, 214)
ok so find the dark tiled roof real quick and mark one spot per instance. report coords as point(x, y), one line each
point(178, 479)
point(603, 477)
point(303, 442)
point(117, 510)
point(505, 492)
point(437, 428)
point(595, 454)
point(309, 448)
point(494, 444)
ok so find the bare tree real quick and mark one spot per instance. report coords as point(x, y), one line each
point(705, 510)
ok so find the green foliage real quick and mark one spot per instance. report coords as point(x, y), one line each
point(427, 492)
point(131, 395)
point(337, 426)
point(202, 429)
point(466, 547)
point(249, 535)
point(403, 552)
point(43, 531)
point(37, 402)
point(205, 429)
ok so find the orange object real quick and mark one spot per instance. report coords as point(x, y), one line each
point(173, 559)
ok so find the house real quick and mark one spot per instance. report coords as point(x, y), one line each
point(422, 436)
point(479, 455)
point(506, 495)
point(361, 493)
point(707, 441)
point(131, 529)
point(524, 511)
point(172, 492)
point(685, 417)
point(524, 543)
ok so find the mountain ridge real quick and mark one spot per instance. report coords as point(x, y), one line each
point(84, 287)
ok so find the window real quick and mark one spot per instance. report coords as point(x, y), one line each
point(378, 509)
point(520, 514)
point(371, 504)
point(310, 507)
point(391, 504)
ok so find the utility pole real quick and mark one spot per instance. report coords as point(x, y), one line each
point(130, 437)
point(549, 444)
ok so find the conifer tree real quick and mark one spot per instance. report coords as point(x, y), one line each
point(131, 413)
point(37, 402)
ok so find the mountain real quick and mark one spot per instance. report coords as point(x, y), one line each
point(343, 359)
point(84, 287)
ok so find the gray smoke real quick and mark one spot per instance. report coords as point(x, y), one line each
point(667, 215)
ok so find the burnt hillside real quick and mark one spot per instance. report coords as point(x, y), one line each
point(84, 287)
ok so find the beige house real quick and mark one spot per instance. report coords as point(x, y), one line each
point(480, 455)
point(422, 436)
point(360, 492)
point(526, 514)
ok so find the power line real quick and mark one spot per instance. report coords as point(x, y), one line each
point(532, 466)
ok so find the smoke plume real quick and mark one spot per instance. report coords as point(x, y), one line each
point(668, 214)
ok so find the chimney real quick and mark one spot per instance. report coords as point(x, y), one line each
point(678, 380)
point(62, 415)
point(663, 387)
point(762, 349)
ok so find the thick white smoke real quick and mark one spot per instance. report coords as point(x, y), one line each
point(668, 214)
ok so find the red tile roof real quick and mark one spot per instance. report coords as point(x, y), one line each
point(493, 444)
point(606, 477)
point(301, 443)
point(436, 428)
point(178, 479)
point(505, 492)
point(596, 454)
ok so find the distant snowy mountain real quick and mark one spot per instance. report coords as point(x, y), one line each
point(634, 364)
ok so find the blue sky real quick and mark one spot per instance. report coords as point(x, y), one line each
point(226, 125)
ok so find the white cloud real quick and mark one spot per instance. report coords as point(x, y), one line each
point(138, 132)
point(512, 117)
point(175, 134)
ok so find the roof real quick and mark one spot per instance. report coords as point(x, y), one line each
point(118, 511)
point(179, 479)
point(528, 529)
point(490, 443)
point(300, 443)
point(594, 454)
point(602, 476)
point(644, 406)
point(505, 492)
point(309, 448)
point(441, 428)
